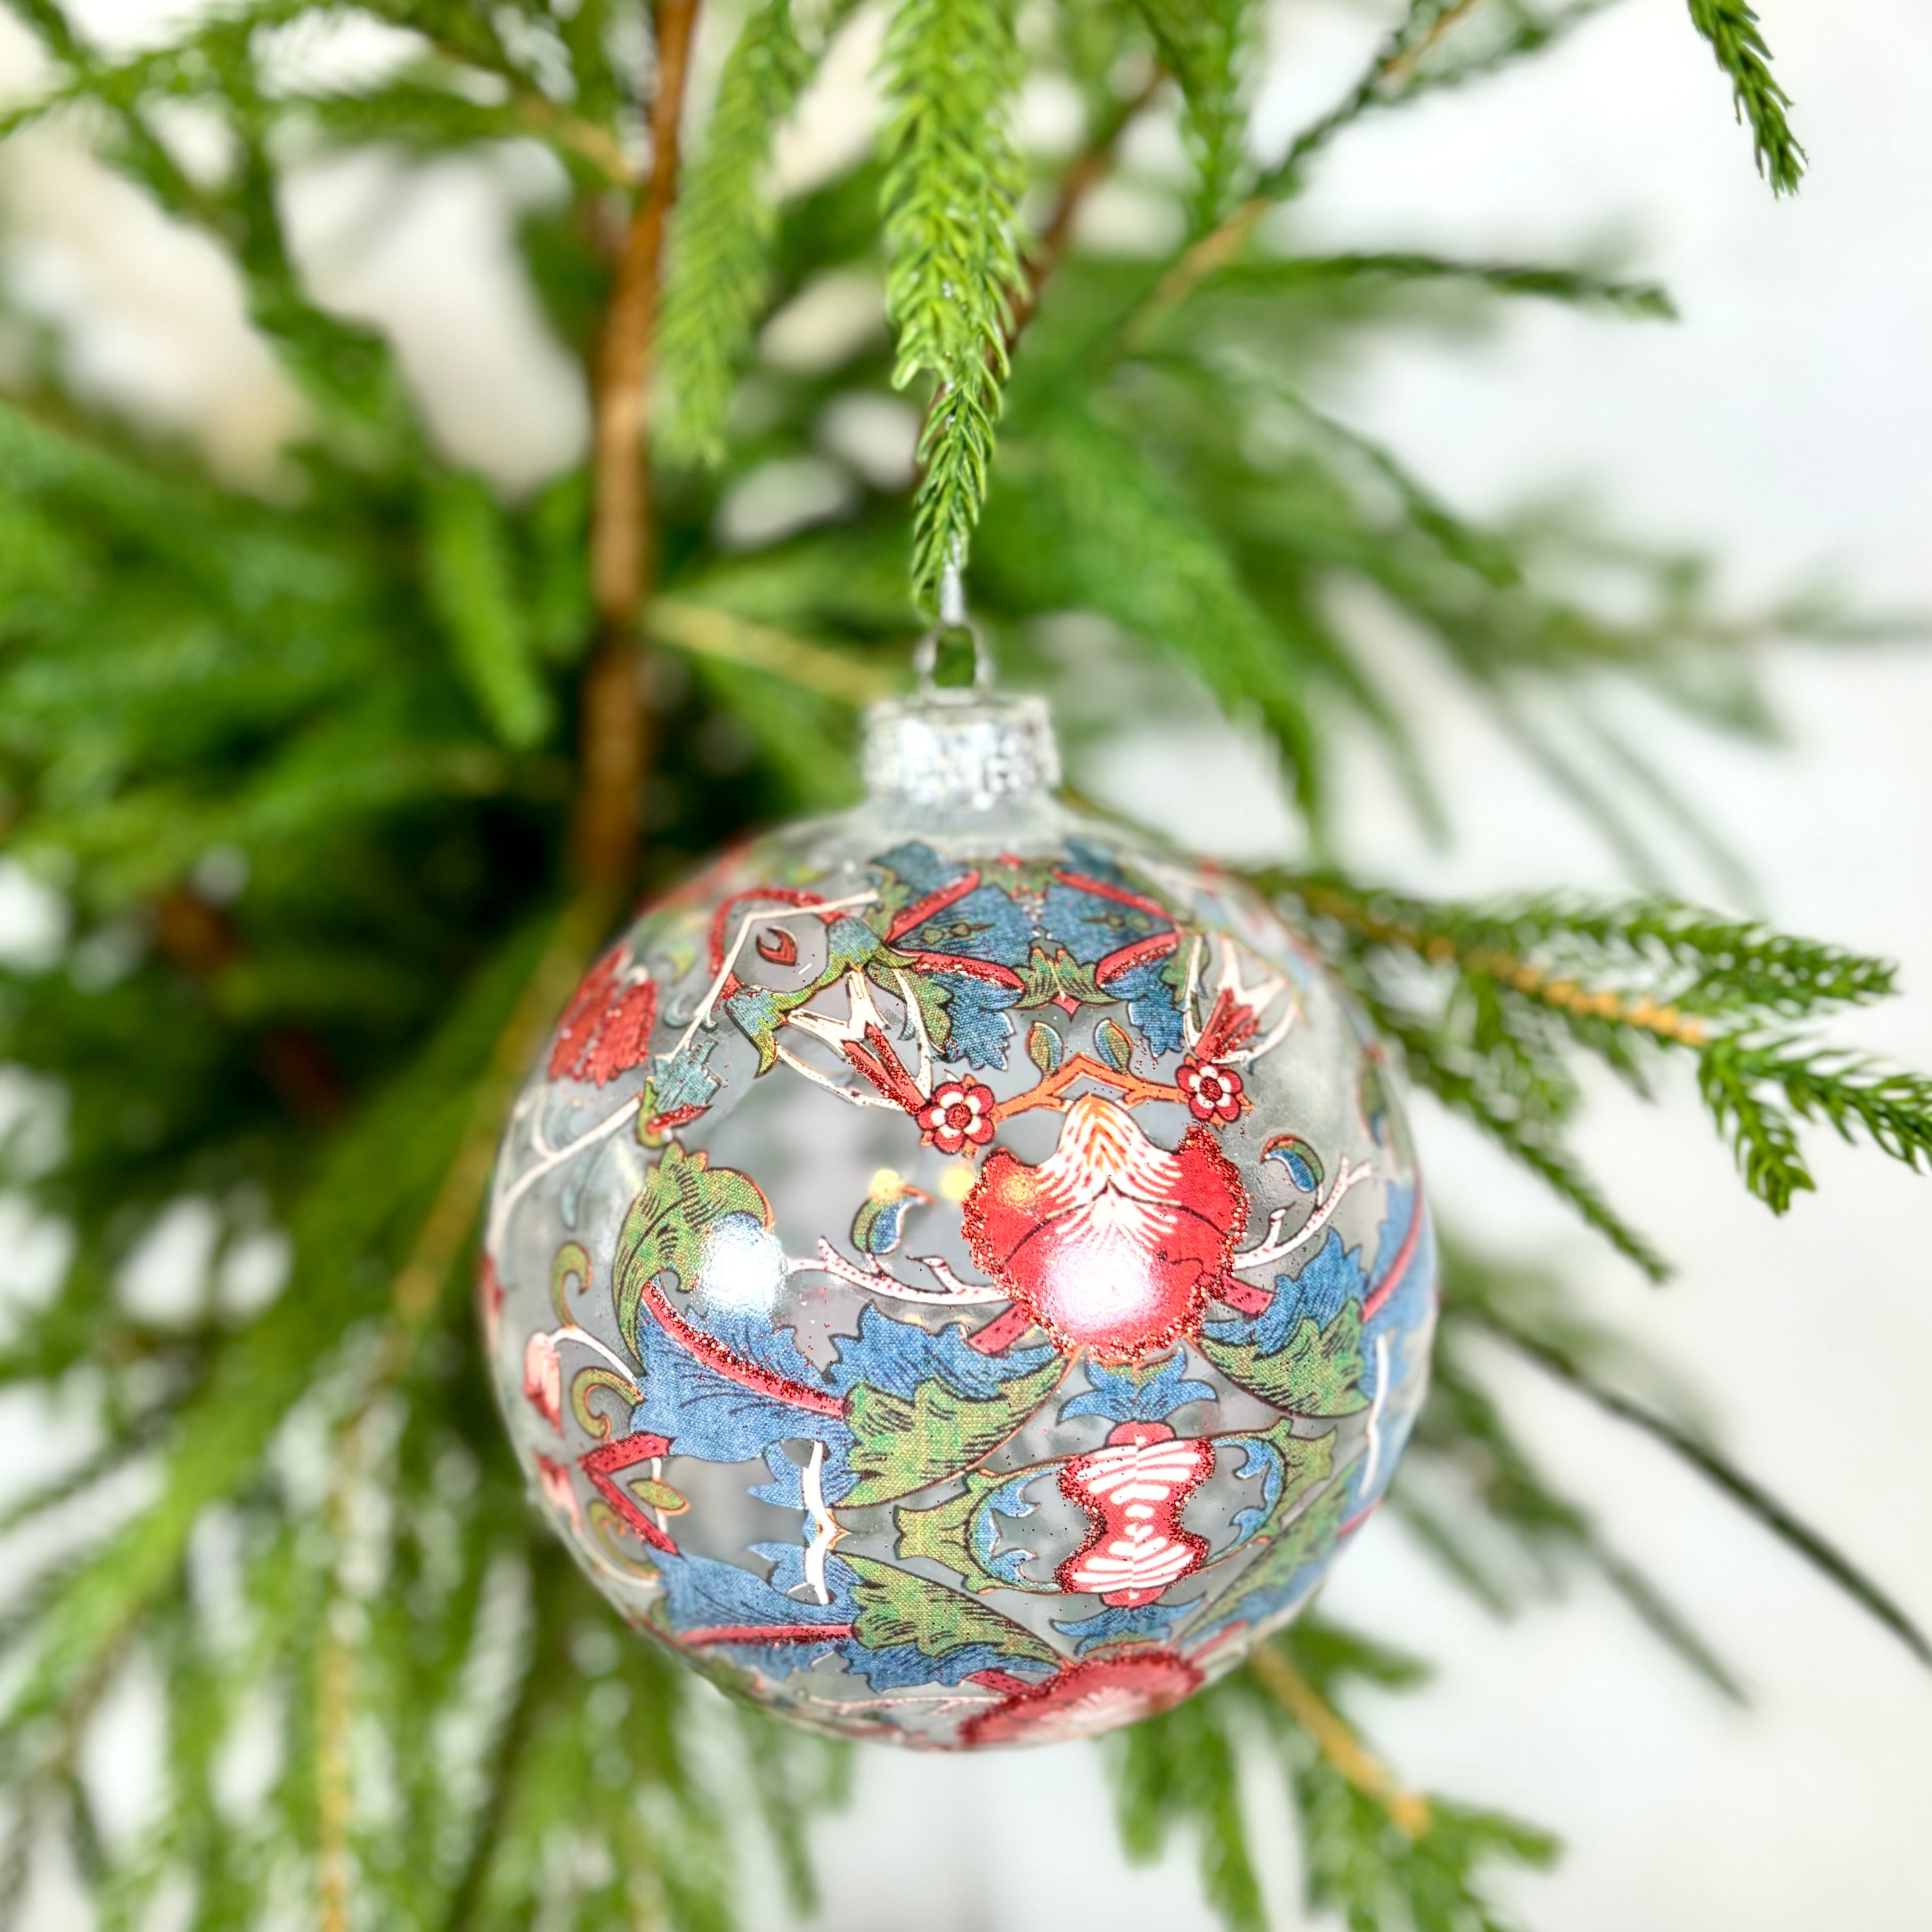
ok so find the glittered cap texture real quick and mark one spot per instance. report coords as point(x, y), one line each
point(962, 752)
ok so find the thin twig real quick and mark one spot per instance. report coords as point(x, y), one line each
point(1664, 1022)
point(537, 111)
point(705, 631)
point(1336, 1742)
point(598, 145)
point(1757, 1501)
point(1404, 63)
point(1222, 244)
point(1084, 175)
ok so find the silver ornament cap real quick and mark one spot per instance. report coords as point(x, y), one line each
point(960, 750)
point(964, 749)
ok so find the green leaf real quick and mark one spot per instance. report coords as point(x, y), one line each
point(895, 1607)
point(1318, 1372)
point(943, 1532)
point(1044, 1046)
point(1057, 975)
point(1307, 1539)
point(669, 1222)
point(1115, 1046)
point(899, 1446)
point(1307, 1461)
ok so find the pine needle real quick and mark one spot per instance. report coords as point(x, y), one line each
point(1731, 28)
point(722, 234)
point(952, 190)
point(1751, 1496)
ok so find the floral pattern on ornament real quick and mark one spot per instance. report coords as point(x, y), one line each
point(1122, 1330)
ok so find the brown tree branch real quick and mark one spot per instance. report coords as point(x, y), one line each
point(611, 733)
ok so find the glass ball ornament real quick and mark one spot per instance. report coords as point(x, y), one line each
point(958, 1275)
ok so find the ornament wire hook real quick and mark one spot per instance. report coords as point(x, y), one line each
point(953, 616)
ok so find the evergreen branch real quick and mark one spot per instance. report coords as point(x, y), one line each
point(1088, 522)
point(951, 190)
point(467, 568)
point(1749, 1495)
point(1401, 72)
point(344, 368)
point(1465, 1434)
point(414, 1295)
point(721, 238)
point(1183, 1768)
point(1392, 80)
point(1714, 984)
point(1274, 273)
point(1732, 875)
point(435, 112)
point(1435, 1063)
point(1665, 1621)
point(543, 1659)
point(1376, 1878)
point(707, 632)
point(369, 1179)
point(1731, 28)
point(1444, 941)
point(1856, 1095)
point(1200, 45)
point(1271, 1667)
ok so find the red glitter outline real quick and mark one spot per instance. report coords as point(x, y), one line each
point(606, 1462)
point(1107, 1517)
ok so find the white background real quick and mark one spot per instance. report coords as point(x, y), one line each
point(1784, 425)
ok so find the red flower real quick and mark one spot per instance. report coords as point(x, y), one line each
point(543, 1379)
point(1111, 1242)
point(959, 1111)
point(1213, 1092)
point(606, 1029)
point(1083, 1699)
point(623, 1039)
